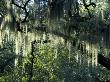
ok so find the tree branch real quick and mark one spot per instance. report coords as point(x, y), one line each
point(86, 7)
point(55, 32)
point(32, 61)
point(26, 3)
point(24, 8)
point(17, 5)
point(104, 61)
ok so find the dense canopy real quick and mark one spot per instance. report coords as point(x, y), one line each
point(54, 40)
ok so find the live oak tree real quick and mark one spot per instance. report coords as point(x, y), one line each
point(54, 40)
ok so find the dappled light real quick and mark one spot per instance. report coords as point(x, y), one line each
point(54, 41)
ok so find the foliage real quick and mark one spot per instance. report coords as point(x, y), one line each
point(53, 40)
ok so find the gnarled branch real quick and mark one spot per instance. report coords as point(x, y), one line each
point(86, 7)
point(24, 8)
